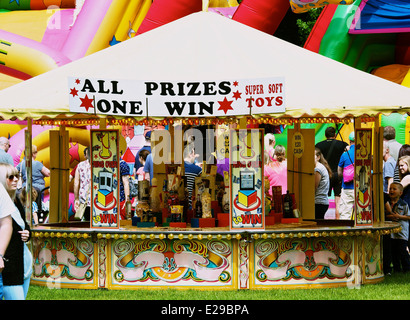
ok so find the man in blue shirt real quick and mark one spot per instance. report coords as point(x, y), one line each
point(149, 167)
point(4, 147)
point(346, 203)
point(389, 164)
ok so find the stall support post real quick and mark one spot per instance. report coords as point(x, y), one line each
point(301, 180)
point(357, 124)
point(64, 173)
point(103, 123)
point(377, 180)
point(59, 166)
point(29, 183)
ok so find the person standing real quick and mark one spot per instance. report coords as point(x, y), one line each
point(18, 258)
point(332, 149)
point(38, 172)
point(82, 185)
point(146, 146)
point(276, 170)
point(191, 170)
point(323, 174)
point(389, 164)
point(346, 203)
point(270, 145)
point(140, 174)
point(7, 207)
point(389, 135)
point(124, 187)
point(4, 148)
point(404, 151)
point(401, 214)
point(149, 168)
point(404, 174)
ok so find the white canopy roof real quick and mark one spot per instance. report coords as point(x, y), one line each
point(206, 46)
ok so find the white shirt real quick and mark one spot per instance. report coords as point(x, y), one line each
point(7, 206)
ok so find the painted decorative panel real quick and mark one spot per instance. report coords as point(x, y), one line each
point(172, 263)
point(65, 262)
point(303, 261)
point(372, 258)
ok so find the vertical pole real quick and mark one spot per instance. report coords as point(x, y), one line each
point(28, 160)
point(63, 173)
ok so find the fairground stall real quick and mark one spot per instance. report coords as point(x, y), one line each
point(207, 70)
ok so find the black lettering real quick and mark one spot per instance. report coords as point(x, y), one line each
point(193, 90)
point(203, 106)
point(209, 89)
point(88, 86)
point(122, 107)
point(191, 108)
point(115, 88)
point(134, 107)
point(167, 89)
point(224, 87)
point(103, 106)
point(181, 88)
point(175, 106)
point(101, 87)
point(150, 86)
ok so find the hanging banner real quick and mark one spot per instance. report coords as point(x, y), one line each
point(363, 177)
point(247, 204)
point(217, 98)
point(105, 175)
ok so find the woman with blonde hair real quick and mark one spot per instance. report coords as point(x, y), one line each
point(404, 175)
point(323, 174)
point(18, 258)
point(270, 145)
point(276, 169)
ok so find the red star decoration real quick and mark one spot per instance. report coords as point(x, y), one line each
point(86, 102)
point(77, 81)
point(237, 95)
point(73, 152)
point(235, 83)
point(225, 105)
point(74, 92)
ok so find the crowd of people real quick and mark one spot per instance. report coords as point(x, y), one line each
point(15, 256)
point(396, 189)
point(333, 158)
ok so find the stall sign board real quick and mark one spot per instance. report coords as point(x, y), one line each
point(246, 179)
point(298, 144)
point(213, 98)
point(363, 174)
point(105, 179)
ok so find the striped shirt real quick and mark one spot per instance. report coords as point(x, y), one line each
point(191, 172)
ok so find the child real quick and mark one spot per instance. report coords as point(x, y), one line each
point(399, 212)
point(34, 195)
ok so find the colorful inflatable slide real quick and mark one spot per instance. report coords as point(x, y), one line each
point(370, 35)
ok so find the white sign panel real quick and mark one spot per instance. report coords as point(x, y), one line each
point(177, 99)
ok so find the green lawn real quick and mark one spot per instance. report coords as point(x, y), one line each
point(395, 287)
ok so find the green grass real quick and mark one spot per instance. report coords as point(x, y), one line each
point(395, 287)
